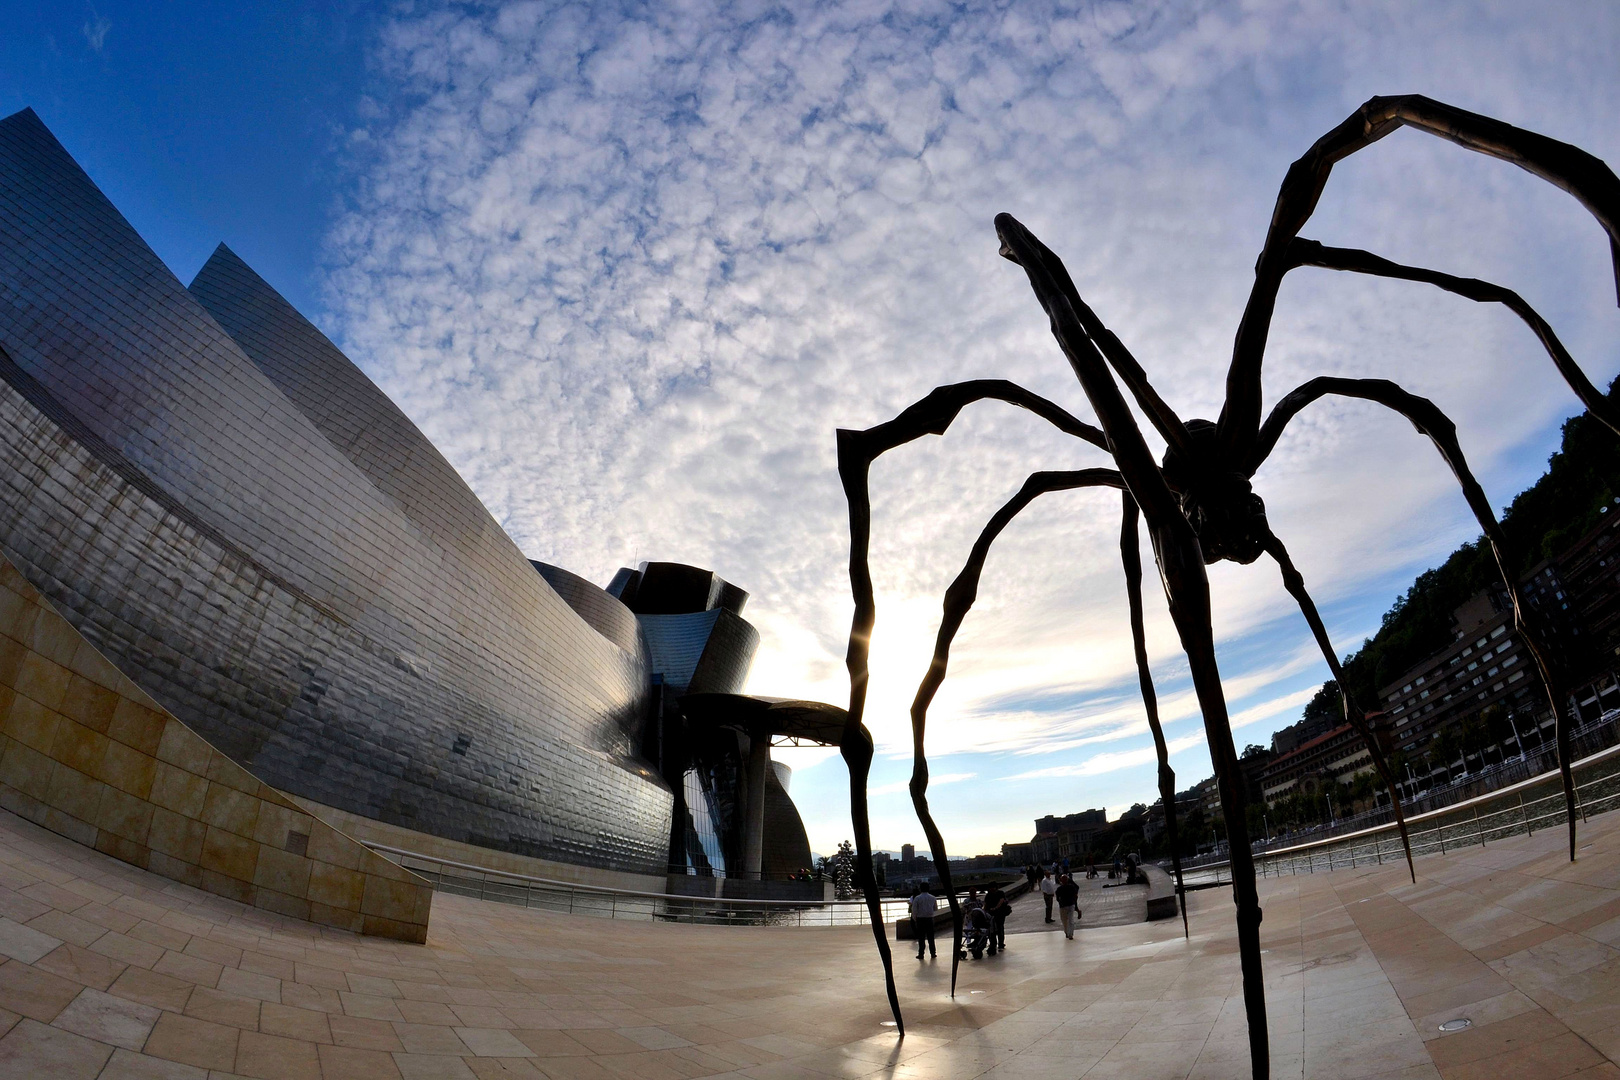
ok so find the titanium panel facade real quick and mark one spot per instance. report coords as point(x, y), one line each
point(254, 534)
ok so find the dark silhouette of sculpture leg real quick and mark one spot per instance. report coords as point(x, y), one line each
point(1430, 421)
point(1130, 554)
point(1304, 252)
point(959, 598)
point(1181, 566)
point(856, 452)
point(1568, 167)
point(1200, 506)
point(1586, 177)
point(1353, 715)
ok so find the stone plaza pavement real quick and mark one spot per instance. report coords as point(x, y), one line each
point(115, 973)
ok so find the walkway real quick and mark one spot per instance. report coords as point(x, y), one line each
point(1119, 905)
point(119, 974)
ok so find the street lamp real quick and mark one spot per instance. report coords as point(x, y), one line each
point(1516, 738)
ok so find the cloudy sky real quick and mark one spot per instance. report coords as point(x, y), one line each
point(630, 266)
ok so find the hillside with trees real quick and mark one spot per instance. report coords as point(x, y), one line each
point(1582, 478)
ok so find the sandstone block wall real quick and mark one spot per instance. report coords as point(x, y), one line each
point(87, 754)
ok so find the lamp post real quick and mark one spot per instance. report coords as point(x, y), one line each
point(1516, 738)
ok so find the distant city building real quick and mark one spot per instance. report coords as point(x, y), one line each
point(908, 852)
point(1486, 665)
point(1301, 732)
point(1017, 854)
point(1066, 837)
point(1329, 759)
point(1590, 574)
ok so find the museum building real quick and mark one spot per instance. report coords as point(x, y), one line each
point(226, 508)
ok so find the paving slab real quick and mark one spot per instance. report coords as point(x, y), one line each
point(1362, 967)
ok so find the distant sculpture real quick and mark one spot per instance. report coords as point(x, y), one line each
point(1198, 502)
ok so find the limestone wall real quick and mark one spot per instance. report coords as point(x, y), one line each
point(85, 753)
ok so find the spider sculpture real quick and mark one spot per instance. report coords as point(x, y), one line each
point(1198, 502)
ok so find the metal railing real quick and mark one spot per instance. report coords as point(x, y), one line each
point(1511, 811)
point(1587, 740)
point(576, 898)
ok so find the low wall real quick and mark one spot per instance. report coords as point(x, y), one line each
point(942, 918)
point(369, 831)
point(1161, 899)
point(715, 888)
point(811, 892)
point(86, 753)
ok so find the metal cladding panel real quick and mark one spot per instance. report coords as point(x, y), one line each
point(787, 845)
point(675, 644)
point(675, 589)
point(727, 656)
point(604, 612)
point(354, 415)
point(346, 643)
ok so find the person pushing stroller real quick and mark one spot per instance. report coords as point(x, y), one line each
point(977, 930)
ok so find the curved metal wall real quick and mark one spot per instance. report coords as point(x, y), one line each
point(351, 627)
point(595, 605)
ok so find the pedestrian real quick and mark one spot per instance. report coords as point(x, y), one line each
point(1068, 898)
point(999, 907)
point(923, 909)
point(1048, 890)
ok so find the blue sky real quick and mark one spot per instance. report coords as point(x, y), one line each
point(202, 122)
point(630, 265)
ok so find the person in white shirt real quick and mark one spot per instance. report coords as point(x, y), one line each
point(923, 909)
point(1048, 890)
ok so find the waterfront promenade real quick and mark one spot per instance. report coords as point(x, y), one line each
point(115, 973)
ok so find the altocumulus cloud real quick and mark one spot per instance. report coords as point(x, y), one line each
point(630, 265)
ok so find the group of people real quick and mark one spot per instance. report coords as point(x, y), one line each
point(986, 919)
point(1060, 887)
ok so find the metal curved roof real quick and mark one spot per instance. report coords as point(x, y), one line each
point(790, 719)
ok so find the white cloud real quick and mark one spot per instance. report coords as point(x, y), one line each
point(933, 782)
point(95, 31)
point(1098, 764)
point(630, 266)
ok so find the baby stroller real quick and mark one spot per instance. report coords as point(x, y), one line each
point(975, 934)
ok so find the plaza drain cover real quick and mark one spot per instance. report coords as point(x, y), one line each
point(1462, 1023)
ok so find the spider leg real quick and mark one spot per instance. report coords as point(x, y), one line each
point(1186, 585)
point(856, 452)
point(1430, 421)
point(1582, 175)
point(1311, 253)
point(1295, 584)
point(1130, 555)
point(959, 598)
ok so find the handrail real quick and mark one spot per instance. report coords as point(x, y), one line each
point(1378, 833)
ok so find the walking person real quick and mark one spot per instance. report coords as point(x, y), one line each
point(998, 907)
point(1068, 898)
point(923, 909)
point(1048, 889)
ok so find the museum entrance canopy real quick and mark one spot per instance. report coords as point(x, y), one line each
point(789, 721)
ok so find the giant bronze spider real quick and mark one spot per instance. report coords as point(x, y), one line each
point(1198, 502)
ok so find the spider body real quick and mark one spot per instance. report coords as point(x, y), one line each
point(1197, 500)
point(1215, 497)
